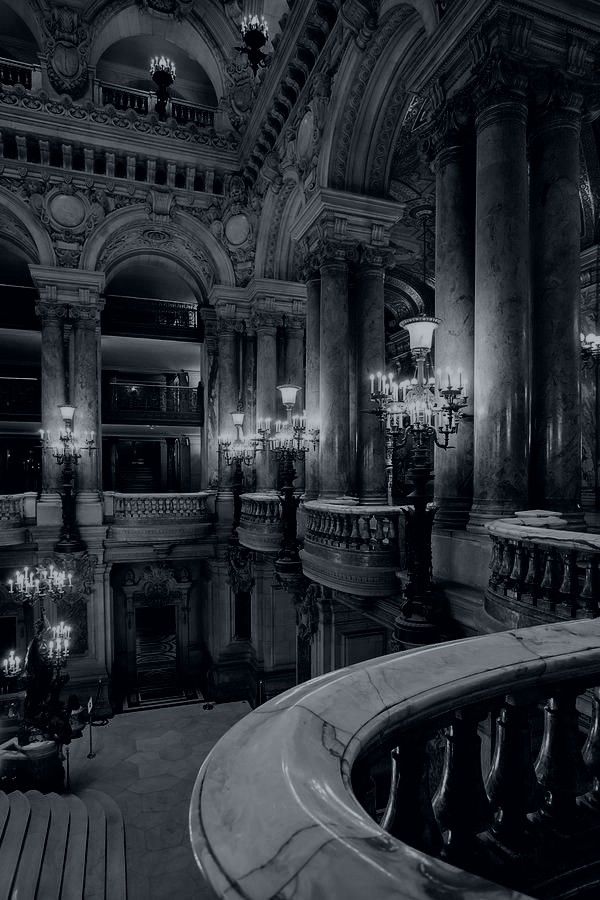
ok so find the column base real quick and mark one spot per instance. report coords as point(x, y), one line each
point(338, 500)
point(483, 512)
point(49, 509)
point(452, 514)
point(373, 500)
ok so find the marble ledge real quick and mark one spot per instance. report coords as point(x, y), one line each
point(344, 509)
point(272, 812)
point(546, 529)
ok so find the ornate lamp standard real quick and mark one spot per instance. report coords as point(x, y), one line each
point(238, 453)
point(291, 441)
point(423, 412)
point(162, 71)
point(67, 454)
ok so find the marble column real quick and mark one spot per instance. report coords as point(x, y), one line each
point(313, 412)
point(555, 268)
point(454, 337)
point(228, 390)
point(368, 319)
point(84, 397)
point(502, 310)
point(266, 388)
point(53, 390)
point(334, 444)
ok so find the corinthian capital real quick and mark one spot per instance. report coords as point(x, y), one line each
point(371, 257)
point(499, 79)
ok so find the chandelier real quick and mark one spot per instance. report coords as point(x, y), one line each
point(162, 72)
point(43, 584)
point(291, 439)
point(420, 407)
point(255, 34)
point(11, 666)
point(590, 346)
point(240, 451)
point(66, 451)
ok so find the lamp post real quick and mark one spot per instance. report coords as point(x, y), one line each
point(237, 453)
point(288, 443)
point(424, 412)
point(162, 71)
point(67, 454)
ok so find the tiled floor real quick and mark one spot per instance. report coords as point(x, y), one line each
point(148, 761)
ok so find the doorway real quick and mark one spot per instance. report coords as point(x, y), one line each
point(156, 652)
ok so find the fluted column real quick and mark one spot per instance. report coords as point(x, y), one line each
point(313, 341)
point(53, 389)
point(454, 304)
point(85, 382)
point(228, 389)
point(502, 306)
point(371, 476)
point(265, 325)
point(555, 267)
point(334, 445)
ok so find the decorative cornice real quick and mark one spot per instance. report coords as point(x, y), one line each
point(342, 216)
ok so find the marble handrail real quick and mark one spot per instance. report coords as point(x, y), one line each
point(543, 566)
point(273, 810)
point(156, 506)
point(364, 528)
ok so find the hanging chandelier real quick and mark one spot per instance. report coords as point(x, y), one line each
point(162, 72)
point(423, 408)
point(255, 34)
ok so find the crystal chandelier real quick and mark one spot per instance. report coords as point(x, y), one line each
point(419, 407)
point(255, 34)
point(162, 72)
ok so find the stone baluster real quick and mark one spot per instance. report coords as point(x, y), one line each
point(334, 398)
point(559, 760)
point(591, 755)
point(409, 814)
point(547, 598)
point(454, 304)
point(313, 341)
point(589, 592)
point(369, 326)
point(568, 591)
point(502, 302)
point(265, 324)
point(532, 576)
point(511, 782)
point(555, 265)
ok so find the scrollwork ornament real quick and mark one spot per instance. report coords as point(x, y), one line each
point(67, 50)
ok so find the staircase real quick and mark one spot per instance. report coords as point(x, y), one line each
point(67, 847)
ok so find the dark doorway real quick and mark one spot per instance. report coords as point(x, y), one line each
point(156, 651)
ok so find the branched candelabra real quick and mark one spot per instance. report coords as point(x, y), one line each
point(425, 412)
point(590, 347)
point(162, 72)
point(255, 34)
point(238, 452)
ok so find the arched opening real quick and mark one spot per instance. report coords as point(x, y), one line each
point(17, 41)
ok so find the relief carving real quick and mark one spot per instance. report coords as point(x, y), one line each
point(67, 49)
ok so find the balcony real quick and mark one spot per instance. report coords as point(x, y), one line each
point(354, 549)
point(140, 317)
point(153, 403)
point(25, 74)
point(17, 512)
point(143, 103)
point(331, 790)
point(20, 398)
point(540, 573)
point(142, 517)
point(260, 522)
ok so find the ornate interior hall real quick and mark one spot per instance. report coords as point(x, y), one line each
point(300, 431)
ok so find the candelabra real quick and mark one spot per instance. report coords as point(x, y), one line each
point(590, 347)
point(58, 648)
point(11, 666)
point(426, 412)
point(238, 453)
point(291, 441)
point(162, 71)
point(67, 454)
point(255, 34)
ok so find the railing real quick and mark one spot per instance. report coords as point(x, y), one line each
point(20, 398)
point(356, 549)
point(260, 522)
point(143, 102)
point(333, 788)
point(131, 508)
point(540, 572)
point(13, 72)
point(135, 402)
point(17, 511)
point(163, 318)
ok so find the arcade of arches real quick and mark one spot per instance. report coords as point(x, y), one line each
point(160, 270)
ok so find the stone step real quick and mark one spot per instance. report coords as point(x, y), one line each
point(95, 863)
point(116, 872)
point(51, 875)
point(34, 845)
point(74, 871)
point(12, 842)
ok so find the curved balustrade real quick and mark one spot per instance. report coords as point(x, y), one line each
point(159, 509)
point(540, 572)
point(356, 549)
point(275, 810)
point(260, 522)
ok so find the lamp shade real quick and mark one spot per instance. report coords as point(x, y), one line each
point(420, 331)
point(237, 418)
point(67, 412)
point(288, 393)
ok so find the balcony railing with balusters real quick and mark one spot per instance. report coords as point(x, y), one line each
point(382, 787)
point(136, 316)
point(541, 574)
point(260, 522)
point(142, 402)
point(141, 517)
point(20, 398)
point(17, 511)
point(356, 549)
point(13, 72)
point(143, 102)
